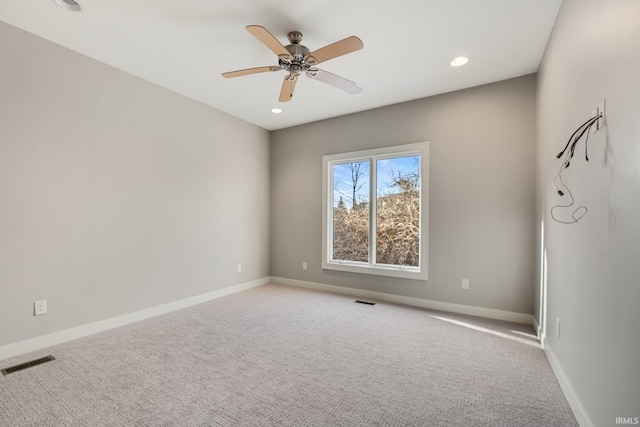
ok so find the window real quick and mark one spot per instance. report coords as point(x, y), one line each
point(375, 210)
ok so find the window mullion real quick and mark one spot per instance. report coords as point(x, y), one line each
point(372, 211)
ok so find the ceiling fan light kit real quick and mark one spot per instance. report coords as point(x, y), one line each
point(296, 59)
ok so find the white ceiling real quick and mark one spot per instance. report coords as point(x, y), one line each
point(185, 46)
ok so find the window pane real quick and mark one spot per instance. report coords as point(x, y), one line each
point(351, 211)
point(398, 211)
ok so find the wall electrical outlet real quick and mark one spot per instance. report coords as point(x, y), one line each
point(239, 268)
point(465, 283)
point(557, 326)
point(304, 266)
point(40, 307)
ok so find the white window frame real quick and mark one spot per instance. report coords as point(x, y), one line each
point(408, 272)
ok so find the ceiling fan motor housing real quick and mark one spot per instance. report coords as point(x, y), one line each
point(297, 51)
point(300, 60)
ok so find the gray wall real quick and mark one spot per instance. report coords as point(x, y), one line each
point(482, 177)
point(593, 266)
point(115, 194)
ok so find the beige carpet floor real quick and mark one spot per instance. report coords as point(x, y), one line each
point(282, 356)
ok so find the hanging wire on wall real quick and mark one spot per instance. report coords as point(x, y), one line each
point(569, 149)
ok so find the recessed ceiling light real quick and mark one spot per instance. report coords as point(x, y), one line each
point(68, 4)
point(276, 110)
point(460, 60)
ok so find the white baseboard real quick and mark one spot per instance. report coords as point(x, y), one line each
point(416, 302)
point(536, 327)
point(570, 394)
point(33, 344)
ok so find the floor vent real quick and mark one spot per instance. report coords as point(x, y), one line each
point(26, 365)
point(365, 302)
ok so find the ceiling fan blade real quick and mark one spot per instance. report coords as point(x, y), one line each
point(289, 84)
point(339, 48)
point(248, 71)
point(268, 40)
point(333, 80)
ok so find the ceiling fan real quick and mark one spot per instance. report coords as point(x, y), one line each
point(297, 59)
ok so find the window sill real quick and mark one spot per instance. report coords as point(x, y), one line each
point(403, 272)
